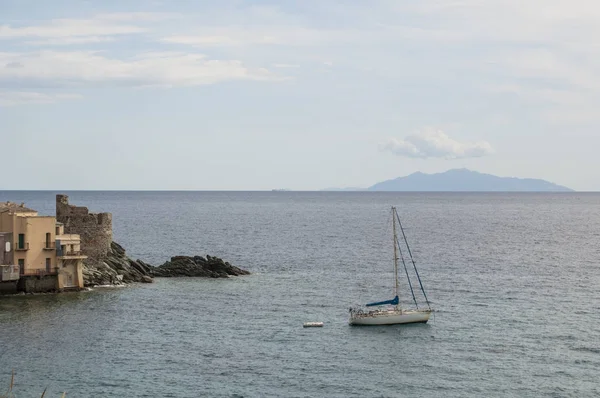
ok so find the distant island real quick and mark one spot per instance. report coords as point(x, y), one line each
point(460, 180)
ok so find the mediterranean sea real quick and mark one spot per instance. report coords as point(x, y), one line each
point(514, 280)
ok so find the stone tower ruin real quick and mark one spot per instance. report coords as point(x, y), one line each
point(95, 229)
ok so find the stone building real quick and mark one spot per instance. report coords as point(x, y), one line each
point(95, 229)
point(42, 266)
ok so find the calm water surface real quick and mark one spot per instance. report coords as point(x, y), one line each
point(514, 280)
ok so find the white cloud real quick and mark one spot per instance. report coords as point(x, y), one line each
point(437, 144)
point(65, 41)
point(69, 28)
point(221, 40)
point(137, 16)
point(543, 52)
point(285, 66)
point(279, 35)
point(511, 20)
point(152, 68)
point(77, 31)
point(498, 41)
point(558, 106)
point(12, 98)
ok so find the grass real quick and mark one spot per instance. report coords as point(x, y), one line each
point(10, 394)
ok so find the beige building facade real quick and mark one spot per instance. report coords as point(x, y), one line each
point(40, 247)
point(69, 258)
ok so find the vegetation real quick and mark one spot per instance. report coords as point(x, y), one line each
point(10, 394)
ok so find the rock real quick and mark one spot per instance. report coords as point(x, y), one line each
point(197, 266)
point(117, 269)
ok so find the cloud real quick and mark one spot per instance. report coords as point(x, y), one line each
point(557, 106)
point(433, 43)
point(69, 28)
point(56, 68)
point(270, 34)
point(77, 31)
point(437, 144)
point(221, 40)
point(285, 66)
point(151, 68)
point(12, 98)
point(65, 41)
point(509, 20)
point(137, 16)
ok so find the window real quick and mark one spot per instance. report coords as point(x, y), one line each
point(21, 241)
point(21, 266)
point(48, 240)
point(57, 230)
point(48, 264)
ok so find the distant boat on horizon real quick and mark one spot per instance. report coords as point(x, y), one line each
point(394, 314)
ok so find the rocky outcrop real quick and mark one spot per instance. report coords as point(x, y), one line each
point(116, 268)
point(209, 267)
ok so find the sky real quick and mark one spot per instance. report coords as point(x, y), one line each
point(304, 95)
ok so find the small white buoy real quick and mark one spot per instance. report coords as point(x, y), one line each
point(313, 324)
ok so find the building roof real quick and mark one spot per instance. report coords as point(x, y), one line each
point(14, 207)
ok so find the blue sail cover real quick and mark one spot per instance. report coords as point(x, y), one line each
point(393, 301)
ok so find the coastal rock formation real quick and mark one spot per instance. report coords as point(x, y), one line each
point(210, 267)
point(116, 268)
point(107, 262)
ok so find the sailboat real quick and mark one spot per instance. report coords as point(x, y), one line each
point(389, 312)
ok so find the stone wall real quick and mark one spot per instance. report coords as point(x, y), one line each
point(8, 287)
point(38, 284)
point(95, 229)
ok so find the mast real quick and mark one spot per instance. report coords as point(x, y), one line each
point(413, 263)
point(395, 253)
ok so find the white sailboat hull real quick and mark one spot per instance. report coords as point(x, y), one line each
point(393, 314)
point(390, 317)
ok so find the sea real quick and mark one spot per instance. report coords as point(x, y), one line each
point(514, 280)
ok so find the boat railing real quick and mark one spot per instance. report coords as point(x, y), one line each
point(357, 310)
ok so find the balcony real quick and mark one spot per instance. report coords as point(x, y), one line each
point(40, 272)
point(21, 247)
point(48, 245)
point(9, 273)
point(69, 254)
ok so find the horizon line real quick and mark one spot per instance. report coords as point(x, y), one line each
point(365, 190)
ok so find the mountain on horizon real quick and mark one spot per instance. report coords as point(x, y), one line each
point(463, 180)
